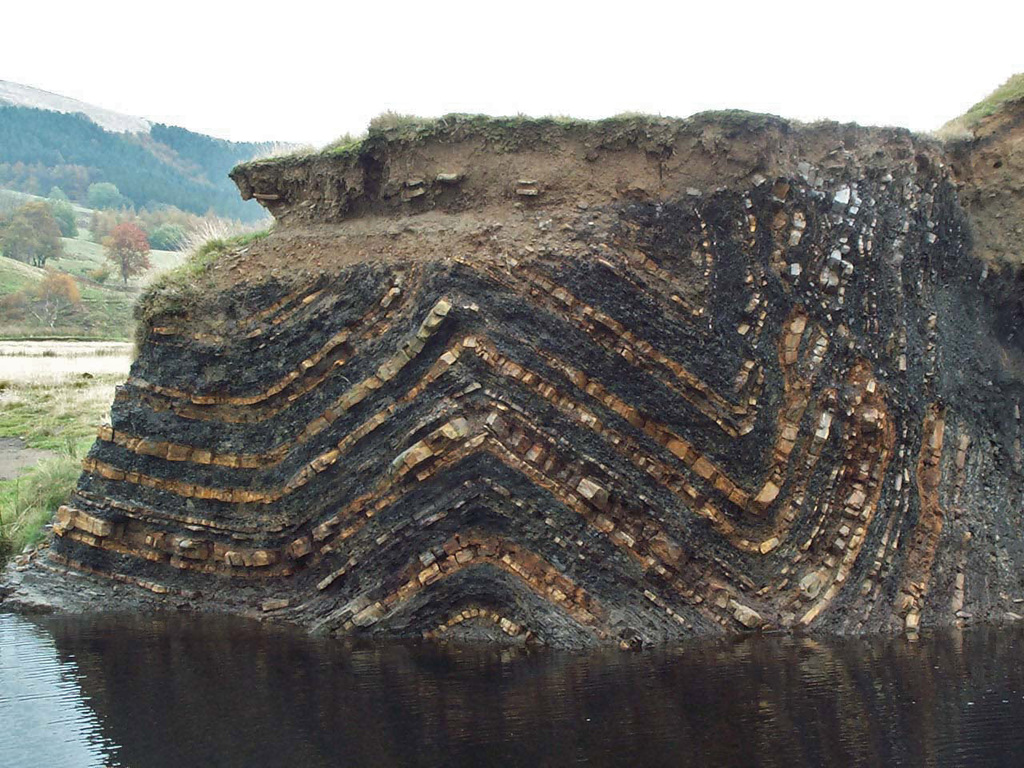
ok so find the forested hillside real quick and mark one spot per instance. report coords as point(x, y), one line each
point(41, 149)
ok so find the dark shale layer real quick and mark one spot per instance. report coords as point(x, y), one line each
point(623, 382)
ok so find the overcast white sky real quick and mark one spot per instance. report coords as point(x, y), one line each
point(308, 72)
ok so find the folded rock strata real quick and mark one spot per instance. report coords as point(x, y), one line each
point(623, 382)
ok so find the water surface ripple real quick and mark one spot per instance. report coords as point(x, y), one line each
point(156, 691)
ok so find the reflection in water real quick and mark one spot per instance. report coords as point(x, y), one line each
point(184, 691)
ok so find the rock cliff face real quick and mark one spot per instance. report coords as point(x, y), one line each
point(621, 382)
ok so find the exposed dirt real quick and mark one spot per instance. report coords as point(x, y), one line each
point(990, 168)
point(15, 457)
point(545, 165)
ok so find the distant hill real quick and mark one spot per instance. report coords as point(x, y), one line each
point(48, 140)
point(18, 95)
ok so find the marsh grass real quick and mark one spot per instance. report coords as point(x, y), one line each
point(52, 406)
point(28, 502)
point(391, 120)
point(59, 348)
point(47, 413)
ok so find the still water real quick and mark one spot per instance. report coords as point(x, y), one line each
point(184, 691)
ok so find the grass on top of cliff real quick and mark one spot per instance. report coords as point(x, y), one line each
point(511, 133)
point(1009, 92)
point(175, 291)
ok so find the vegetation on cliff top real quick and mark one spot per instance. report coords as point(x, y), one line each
point(1010, 92)
point(174, 291)
point(511, 133)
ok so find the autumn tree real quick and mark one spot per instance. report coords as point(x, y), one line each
point(102, 223)
point(32, 235)
point(55, 300)
point(128, 249)
point(13, 306)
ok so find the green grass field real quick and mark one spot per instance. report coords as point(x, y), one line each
point(60, 417)
point(10, 198)
point(15, 276)
point(106, 311)
point(83, 256)
point(53, 400)
point(52, 407)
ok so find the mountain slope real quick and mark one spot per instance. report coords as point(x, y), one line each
point(18, 95)
point(47, 140)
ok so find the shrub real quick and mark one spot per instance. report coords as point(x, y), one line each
point(64, 214)
point(28, 503)
point(105, 195)
point(14, 306)
point(167, 237)
point(100, 274)
point(56, 299)
point(389, 120)
point(174, 291)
